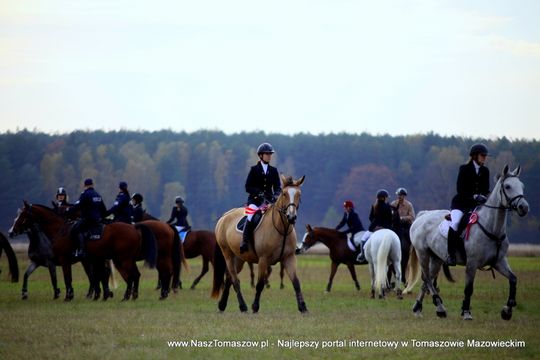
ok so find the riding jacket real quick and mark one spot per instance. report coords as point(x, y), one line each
point(353, 222)
point(121, 208)
point(137, 213)
point(380, 216)
point(91, 206)
point(261, 185)
point(180, 215)
point(470, 183)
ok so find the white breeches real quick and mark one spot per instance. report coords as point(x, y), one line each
point(456, 218)
point(254, 207)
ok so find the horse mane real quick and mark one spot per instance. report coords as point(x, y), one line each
point(46, 208)
point(329, 231)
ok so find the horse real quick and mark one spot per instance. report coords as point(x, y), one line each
point(124, 243)
point(485, 244)
point(274, 241)
point(5, 247)
point(383, 248)
point(340, 253)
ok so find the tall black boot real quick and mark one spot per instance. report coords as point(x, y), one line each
point(247, 235)
point(452, 242)
point(80, 253)
point(361, 258)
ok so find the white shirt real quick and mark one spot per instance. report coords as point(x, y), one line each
point(265, 167)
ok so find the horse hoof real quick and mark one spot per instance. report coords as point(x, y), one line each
point(441, 314)
point(56, 294)
point(243, 308)
point(417, 308)
point(24, 296)
point(506, 313)
point(466, 314)
point(282, 286)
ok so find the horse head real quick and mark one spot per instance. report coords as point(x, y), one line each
point(511, 191)
point(308, 240)
point(289, 200)
point(23, 220)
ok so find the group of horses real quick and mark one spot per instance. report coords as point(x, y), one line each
point(275, 241)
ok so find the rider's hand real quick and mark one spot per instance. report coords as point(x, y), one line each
point(480, 199)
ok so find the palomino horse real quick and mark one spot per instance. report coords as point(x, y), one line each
point(121, 242)
point(485, 245)
point(274, 240)
point(383, 248)
point(340, 253)
point(5, 246)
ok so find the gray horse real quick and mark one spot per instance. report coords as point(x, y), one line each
point(486, 245)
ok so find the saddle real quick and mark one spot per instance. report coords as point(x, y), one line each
point(94, 233)
point(256, 220)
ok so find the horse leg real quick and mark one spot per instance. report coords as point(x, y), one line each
point(470, 273)
point(268, 273)
point(281, 273)
point(372, 267)
point(203, 272)
point(333, 270)
point(251, 275)
point(424, 265)
point(353, 275)
point(222, 304)
point(136, 277)
point(66, 269)
point(261, 282)
point(89, 274)
point(107, 271)
point(54, 282)
point(503, 267)
point(29, 270)
point(123, 269)
point(434, 269)
point(397, 270)
point(232, 262)
point(290, 266)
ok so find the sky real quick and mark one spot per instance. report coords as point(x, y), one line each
point(464, 68)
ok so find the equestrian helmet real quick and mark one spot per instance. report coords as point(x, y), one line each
point(137, 197)
point(382, 193)
point(401, 191)
point(122, 185)
point(88, 182)
point(179, 200)
point(348, 204)
point(61, 191)
point(478, 149)
point(265, 148)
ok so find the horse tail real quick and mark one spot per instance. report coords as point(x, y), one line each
point(220, 268)
point(112, 281)
point(413, 271)
point(149, 245)
point(382, 261)
point(448, 274)
point(12, 259)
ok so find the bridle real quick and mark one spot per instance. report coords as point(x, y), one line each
point(509, 201)
point(284, 222)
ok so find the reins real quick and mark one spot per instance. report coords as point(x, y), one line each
point(285, 223)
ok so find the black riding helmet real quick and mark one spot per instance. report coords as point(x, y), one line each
point(382, 194)
point(61, 191)
point(478, 149)
point(137, 197)
point(265, 148)
point(179, 200)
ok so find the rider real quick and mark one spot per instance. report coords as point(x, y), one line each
point(350, 217)
point(380, 216)
point(92, 210)
point(405, 209)
point(472, 188)
point(179, 213)
point(262, 185)
point(61, 203)
point(121, 209)
point(137, 211)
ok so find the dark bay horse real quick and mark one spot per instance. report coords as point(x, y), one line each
point(486, 244)
point(340, 253)
point(123, 243)
point(274, 241)
point(5, 247)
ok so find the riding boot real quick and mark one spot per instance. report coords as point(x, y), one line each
point(80, 253)
point(452, 242)
point(361, 258)
point(247, 236)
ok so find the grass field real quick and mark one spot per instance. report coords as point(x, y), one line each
point(340, 321)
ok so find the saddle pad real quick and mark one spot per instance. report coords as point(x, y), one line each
point(182, 233)
point(94, 233)
point(256, 220)
point(443, 228)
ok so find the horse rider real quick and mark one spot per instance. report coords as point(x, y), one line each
point(380, 216)
point(472, 188)
point(352, 220)
point(405, 210)
point(92, 209)
point(121, 209)
point(263, 186)
point(61, 203)
point(137, 211)
point(179, 215)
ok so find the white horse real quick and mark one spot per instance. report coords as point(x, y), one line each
point(383, 248)
point(486, 245)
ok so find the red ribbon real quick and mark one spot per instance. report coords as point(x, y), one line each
point(472, 220)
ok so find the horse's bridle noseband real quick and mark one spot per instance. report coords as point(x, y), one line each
point(510, 201)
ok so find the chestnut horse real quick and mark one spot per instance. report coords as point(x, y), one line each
point(122, 242)
point(340, 253)
point(274, 241)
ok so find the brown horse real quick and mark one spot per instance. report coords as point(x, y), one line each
point(274, 241)
point(122, 242)
point(5, 246)
point(340, 253)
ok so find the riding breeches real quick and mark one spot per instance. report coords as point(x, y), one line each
point(456, 216)
point(250, 214)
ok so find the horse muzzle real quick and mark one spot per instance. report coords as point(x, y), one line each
point(522, 207)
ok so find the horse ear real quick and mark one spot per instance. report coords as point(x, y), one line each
point(308, 228)
point(300, 181)
point(283, 179)
point(505, 170)
point(26, 204)
point(517, 171)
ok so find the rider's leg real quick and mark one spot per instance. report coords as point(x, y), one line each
point(361, 258)
point(453, 236)
point(247, 234)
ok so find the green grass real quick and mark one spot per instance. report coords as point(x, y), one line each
point(44, 328)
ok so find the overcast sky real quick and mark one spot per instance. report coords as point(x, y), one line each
point(466, 68)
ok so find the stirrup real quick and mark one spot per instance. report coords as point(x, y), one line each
point(451, 260)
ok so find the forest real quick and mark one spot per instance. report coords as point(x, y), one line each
point(208, 169)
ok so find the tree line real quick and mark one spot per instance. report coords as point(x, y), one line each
point(208, 169)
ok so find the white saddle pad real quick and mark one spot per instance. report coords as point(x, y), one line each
point(356, 242)
point(443, 228)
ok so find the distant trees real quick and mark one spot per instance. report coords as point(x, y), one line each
point(208, 169)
